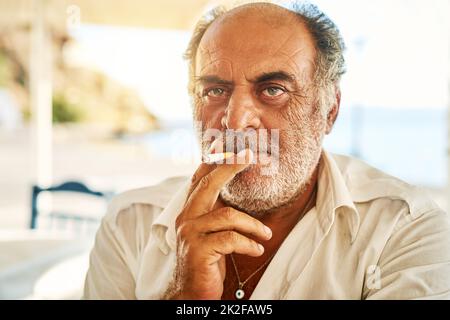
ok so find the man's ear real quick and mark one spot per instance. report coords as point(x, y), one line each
point(334, 111)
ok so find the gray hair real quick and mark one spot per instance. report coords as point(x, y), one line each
point(329, 61)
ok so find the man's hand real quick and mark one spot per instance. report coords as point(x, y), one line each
point(205, 236)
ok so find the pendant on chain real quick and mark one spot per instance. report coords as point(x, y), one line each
point(239, 294)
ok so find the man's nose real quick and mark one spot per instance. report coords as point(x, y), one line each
point(241, 112)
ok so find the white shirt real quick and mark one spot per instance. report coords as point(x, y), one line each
point(370, 236)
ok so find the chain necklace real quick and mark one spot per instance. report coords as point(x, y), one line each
point(240, 293)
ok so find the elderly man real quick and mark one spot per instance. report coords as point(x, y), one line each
point(297, 223)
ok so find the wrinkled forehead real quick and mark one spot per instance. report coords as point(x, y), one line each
point(253, 42)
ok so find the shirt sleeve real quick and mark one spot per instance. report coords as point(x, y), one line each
point(110, 275)
point(415, 263)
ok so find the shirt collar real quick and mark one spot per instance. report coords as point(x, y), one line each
point(332, 194)
point(366, 183)
point(163, 228)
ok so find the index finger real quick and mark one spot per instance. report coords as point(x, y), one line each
point(202, 170)
point(208, 188)
point(205, 167)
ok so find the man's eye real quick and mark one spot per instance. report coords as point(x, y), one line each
point(215, 92)
point(273, 92)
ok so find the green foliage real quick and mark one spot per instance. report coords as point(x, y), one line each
point(64, 112)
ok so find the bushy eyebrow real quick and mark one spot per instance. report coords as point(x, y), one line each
point(264, 77)
point(276, 75)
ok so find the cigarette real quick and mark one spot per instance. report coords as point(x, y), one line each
point(216, 157)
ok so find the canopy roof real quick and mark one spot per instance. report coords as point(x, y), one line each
point(157, 14)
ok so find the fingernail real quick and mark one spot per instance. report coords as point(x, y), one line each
point(260, 247)
point(267, 230)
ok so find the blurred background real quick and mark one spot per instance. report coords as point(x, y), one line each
point(93, 102)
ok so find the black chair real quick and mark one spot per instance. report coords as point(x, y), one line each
point(70, 186)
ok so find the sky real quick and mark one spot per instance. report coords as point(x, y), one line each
point(397, 56)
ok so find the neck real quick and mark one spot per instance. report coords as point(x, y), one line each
point(288, 215)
